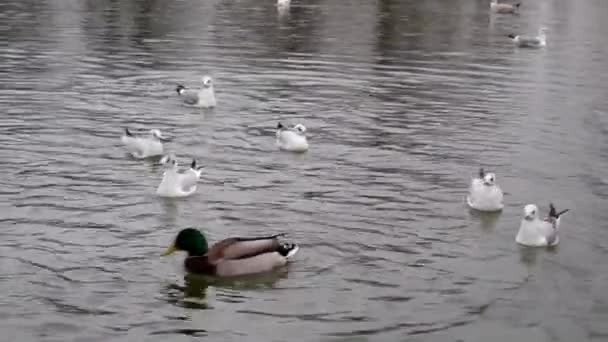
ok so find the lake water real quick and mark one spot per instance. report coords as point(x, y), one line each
point(403, 101)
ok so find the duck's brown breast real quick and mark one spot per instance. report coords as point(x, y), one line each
point(199, 264)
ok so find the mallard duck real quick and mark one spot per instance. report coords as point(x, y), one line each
point(535, 232)
point(530, 42)
point(176, 183)
point(484, 193)
point(144, 147)
point(504, 8)
point(292, 139)
point(204, 97)
point(233, 256)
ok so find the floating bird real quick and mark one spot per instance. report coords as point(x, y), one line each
point(530, 42)
point(176, 183)
point(504, 8)
point(283, 3)
point(292, 139)
point(204, 97)
point(144, 147)
point(535, 232)
point(233, 256)
point(484, 194)
point(283, 6)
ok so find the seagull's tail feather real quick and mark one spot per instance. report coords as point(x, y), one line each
point(553, 212)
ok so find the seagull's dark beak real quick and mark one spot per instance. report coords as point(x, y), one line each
point(164, 139)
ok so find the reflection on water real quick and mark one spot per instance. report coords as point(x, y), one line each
point(403, 100)
point(170, 209)
point(529, 255)
point(487, 220)
point(194, 293)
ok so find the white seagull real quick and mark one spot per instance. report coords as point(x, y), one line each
point(144, 147)
point(530, 42)
point(504, 8)
point(176, 183)
point(292, 139)
point(535, 232)
point(203, 97)
point(283, 4)
point(484, 193)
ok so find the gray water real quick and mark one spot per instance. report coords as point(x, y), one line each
point(403, 101)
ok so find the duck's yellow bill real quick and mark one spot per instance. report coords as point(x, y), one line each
point(169, 250)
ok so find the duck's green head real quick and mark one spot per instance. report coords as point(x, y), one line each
point(189, 240)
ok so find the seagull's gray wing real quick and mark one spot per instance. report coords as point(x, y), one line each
point(134, 145)
point(189, 179)
point(552, 237)
point(284, 135)
point(190, 96)
point(529, 41)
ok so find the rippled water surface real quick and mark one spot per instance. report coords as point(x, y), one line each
point(403, 101)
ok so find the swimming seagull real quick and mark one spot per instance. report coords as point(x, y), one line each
point(176, 183)
point(530, 42)
point(283, 7)
point(484, 194)
point(144, 147)
point(292, 139)
point(535, 232)
point(504, 8)
point(203, 97)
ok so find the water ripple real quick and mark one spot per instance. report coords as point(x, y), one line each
point(403, 102)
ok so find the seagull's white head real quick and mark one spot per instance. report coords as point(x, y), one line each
point(489, 179)
point(207, 81)
point(530, 212)
point(158, 135)
point(301, 129)
point(168, 161)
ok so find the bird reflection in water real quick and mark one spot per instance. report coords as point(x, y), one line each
point(529, 255)
point(487, 220)
point(194, 293)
